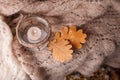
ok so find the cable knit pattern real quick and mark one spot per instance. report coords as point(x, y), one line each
point(100, 20)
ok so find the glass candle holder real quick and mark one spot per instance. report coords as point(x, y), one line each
point(33, 31)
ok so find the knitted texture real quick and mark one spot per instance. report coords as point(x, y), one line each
point(100, 19)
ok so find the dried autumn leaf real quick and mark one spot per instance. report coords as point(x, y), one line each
point(61, 50)
point(75, 37)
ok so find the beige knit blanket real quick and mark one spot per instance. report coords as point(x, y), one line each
point(100, 19)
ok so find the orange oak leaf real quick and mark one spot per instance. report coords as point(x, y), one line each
point(61, 50)
point(75, 37)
